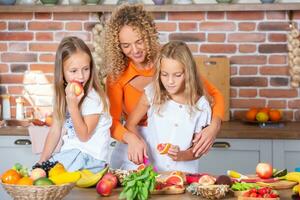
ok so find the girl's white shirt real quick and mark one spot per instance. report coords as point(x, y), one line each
point(176, 125)
point(97, 146)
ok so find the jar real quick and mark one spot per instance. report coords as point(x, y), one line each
point(6, 107)
point(19, 108)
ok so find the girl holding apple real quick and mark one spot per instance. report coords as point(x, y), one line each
point(80, 110)
point(131, 46)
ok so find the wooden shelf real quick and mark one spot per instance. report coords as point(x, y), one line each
point(152, 8)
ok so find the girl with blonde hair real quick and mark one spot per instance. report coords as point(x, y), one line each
point(176, 108)
point(84, 117)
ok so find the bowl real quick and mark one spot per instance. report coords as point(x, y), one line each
point(32, 192)
point(209, 191)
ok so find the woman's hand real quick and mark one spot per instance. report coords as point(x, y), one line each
point(173, 152)
point(204, 140)
point(137, 148)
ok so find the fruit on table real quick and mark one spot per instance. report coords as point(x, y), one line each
point(275, 115)
point(279, 173)
point(174, 180)
point(264, 170)
point(90, 180)
point(163, 148)
point(66, 177)
point(141, 167)
point(37, 173)
point(207, 180)
point(235, 174)
point(264, 192)
point(56, 170)
point(251, 114)
point(77, 87)
point(296, 189)
point(25, 181)
point(10, 176)
point(112, 178)
point(265, 110)
point(192, 178)
point(43, 181)
point(262, 116)
point(293, 176)
point(104, 187)
point(46, 165)
point(224, 180)
point(22, 170)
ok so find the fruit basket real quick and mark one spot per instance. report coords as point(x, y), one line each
point(209, 191)
point(45, 192)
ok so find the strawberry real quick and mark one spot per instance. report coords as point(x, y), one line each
point(253, 195)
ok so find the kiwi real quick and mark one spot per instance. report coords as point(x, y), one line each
point(224, 180)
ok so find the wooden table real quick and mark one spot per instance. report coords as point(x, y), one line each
point(91, 194)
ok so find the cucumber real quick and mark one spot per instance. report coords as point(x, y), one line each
point(280, 173)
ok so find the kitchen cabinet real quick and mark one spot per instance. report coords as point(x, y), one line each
point(237, 154)
point(15, 149)
point(286, 154)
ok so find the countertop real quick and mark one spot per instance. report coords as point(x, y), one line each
point(91, 194)
point(231, 129)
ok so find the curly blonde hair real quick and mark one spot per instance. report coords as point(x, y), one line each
point(135, 16)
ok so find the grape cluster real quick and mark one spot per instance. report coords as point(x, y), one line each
point(46, 165)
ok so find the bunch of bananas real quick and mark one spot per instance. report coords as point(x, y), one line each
point(89, 179)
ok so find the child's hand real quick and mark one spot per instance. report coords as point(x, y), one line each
point(173, 152)
point(71, 98)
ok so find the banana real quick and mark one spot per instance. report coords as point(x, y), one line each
point(293, 176)
point(296, 189)
point(235, 174)
point(89, 180)
point(66, 177)
point(85, 173)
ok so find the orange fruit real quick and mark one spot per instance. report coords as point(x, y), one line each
point(275, 115)
point(163, 148)
point(262, 116)
point(266, 110)
point(48, 120)
point(174, 180)
point(25, 181)
point(11, 176)
point(251, 114)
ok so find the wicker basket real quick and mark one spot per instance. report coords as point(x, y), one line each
point(209, 191)
point(47, 192)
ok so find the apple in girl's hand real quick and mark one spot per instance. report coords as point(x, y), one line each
point(78, 89)
point(264, 170)
point(112, 178)
point(104, 187)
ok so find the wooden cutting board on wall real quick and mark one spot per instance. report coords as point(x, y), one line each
point(217, 71)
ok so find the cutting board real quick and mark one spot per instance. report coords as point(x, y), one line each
point(278, 185)
point(217, 71)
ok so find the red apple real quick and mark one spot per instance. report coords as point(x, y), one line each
point(264, 170)
point(111, 177)
point(78, 89)
point(104, 187)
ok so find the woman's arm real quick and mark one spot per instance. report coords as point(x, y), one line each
point(204, 141)
point(51, 142)
point(132, 125)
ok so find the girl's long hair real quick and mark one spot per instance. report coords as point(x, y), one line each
point(67, 47)
point(193, 88)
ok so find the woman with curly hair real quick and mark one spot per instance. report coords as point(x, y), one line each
point(131, 46)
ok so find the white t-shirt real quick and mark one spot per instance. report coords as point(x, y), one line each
point(97, 146)
point(176, 125)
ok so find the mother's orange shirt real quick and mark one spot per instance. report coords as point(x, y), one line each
point(124, 97)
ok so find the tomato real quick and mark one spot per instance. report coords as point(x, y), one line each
point(11, 176)
point(264, 170)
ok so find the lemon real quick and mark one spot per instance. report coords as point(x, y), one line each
point(56, 170)
point(262, 117)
